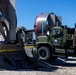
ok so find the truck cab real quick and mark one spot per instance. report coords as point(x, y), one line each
point(63, 39)
point(58, 41)
point(56, 36)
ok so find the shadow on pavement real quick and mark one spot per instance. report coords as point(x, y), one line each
point(71, 62)
point(42, 66)
point(24, 65)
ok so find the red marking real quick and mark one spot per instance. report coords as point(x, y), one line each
point(36, 24)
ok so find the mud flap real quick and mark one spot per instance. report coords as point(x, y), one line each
point(35, 57)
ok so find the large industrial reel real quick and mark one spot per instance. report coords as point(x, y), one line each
point(40, 23)
point(45, 20)
point(4, 30)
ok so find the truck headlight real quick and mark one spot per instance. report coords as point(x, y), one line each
point(48, 33)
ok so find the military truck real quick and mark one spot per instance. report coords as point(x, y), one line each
point(57, 40)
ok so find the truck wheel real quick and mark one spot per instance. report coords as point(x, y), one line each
point(44, 53)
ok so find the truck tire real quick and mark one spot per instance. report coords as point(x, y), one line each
point(44, 53)
point(4, 23)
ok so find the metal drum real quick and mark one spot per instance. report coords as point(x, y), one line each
point(45, 19)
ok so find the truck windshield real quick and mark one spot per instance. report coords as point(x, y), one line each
point(56, 32)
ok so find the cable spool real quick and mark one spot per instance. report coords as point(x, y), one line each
point(44, 19)
point(4, 30)
point(41, 23)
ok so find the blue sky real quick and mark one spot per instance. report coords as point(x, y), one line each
point(27, 10)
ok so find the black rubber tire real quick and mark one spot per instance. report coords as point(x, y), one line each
point(5, 23)
point(47, 52)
